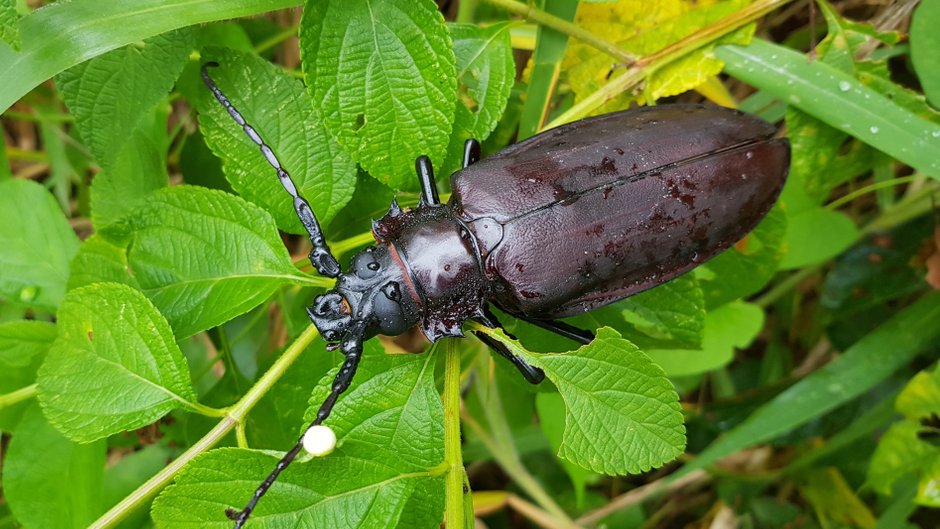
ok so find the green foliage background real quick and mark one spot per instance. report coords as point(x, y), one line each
point(155, 354)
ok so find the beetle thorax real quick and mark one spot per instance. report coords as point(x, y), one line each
point(441, 263)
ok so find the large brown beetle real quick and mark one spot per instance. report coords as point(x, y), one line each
point(560, 224)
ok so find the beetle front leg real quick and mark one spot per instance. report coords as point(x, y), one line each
point(531, 373)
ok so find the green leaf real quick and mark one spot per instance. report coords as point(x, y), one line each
point(203, 256)
point(807, 244)
point(50, 481)
point(37, 243)
point(839, 100)
point(9, 24)
point(899, 453)
point(277, 106)
point(110, 94)
point(99, 261)
point(112, 344)
point(381, 76)
point(49, 43)
point(728, 327)
point(622, 413)
point(130, 472)
point(747, 266)
point(135, 173)
point(23, 345)
point(673, 312)
point(921, 397)
point(386, 468)
point(870, 361)
point(925, 41)
point(485, 75)
point(551, 409)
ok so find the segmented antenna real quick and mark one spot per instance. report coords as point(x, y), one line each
point(320, 255)
point(352, 351)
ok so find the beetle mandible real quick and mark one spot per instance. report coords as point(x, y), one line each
point(562, 223)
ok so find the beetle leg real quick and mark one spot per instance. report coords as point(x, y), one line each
point(352, 349)
point(531, 373)
point(471, 152)
point(320, 255)
point(426, 179)
point(561, 328)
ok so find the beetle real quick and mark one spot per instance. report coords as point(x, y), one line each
point(559, 224)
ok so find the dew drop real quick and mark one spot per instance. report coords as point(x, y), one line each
point(935, 134)
point(873, 129)
point(845, 86)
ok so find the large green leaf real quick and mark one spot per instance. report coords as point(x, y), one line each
point(381, 76)
point(203, 256)
point(9, 23)
point(731, 326)
point(485, 75)
point(23, 345)
point(110, 94)
point(838, 99)
point(137, 171)
point(390, 430)
point(622, 413)
point(99, 261)
point(50, 481)
point(278, 108)
point(925, 41)
point(37, 243)
point(115, 365)
point(63, 34)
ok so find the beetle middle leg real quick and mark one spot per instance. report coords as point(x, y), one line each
point(561, 328)
point(531, 373)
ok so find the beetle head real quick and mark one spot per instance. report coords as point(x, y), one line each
point(370, 292)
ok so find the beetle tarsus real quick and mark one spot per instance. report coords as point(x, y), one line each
point(426, 178)
point(471, 152)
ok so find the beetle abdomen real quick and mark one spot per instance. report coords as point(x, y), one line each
point(601, 209)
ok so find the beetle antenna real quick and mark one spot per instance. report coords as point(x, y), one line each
point(320, 255)
point(352, 349)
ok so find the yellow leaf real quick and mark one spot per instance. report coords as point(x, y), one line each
point(643, 28)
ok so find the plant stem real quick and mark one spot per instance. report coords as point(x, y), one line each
point(500, 443)
point(453, 451)
point(836, 204)
point(563, 26)
point(236, 414)
point(14, 397)
point(644, 67)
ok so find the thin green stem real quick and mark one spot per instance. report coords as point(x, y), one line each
point(236, 414)
point(466, 9)
point(274, 40)
point(836, 204)
point(563, 26)
point(453, 451)
point(646, 66)
point(345, 245)
point(27, 116)
point(14, 397)
point(503, 448)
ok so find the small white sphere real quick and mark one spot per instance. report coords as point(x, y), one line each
point(319, 440)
